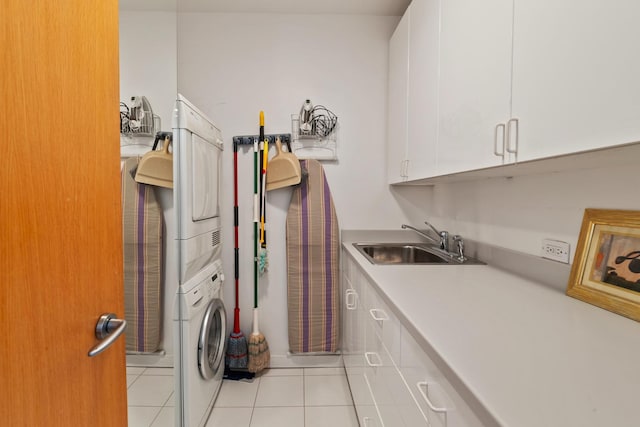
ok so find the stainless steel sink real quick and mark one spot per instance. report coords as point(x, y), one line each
point(407, 253)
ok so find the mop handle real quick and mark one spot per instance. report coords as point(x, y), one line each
point(236, 250)
point(255, 224)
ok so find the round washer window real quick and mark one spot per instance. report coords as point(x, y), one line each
point(212, 340)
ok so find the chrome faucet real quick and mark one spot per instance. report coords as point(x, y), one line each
point(444, 237)
point(442, 241)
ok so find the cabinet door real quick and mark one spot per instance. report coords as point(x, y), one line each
point(475, 83)
point(424, 36)
point(576, 75)
point(397, 101)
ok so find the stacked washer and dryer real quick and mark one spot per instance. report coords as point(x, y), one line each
point(199, 313)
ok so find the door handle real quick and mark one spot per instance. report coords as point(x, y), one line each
point(108, 329)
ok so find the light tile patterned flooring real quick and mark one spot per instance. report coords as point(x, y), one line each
point(305, 397)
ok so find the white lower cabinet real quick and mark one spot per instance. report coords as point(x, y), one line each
point(393, 382)
point(392, 398)
point(439, 401)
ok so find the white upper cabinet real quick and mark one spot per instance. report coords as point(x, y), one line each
point(505, 81)
point(424, 35)
point(397, 102)
point(475, 83)
point(576, 75)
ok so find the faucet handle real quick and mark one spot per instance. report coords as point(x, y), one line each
point(460, 245)
point(435, 230)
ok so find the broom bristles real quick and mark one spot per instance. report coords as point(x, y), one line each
point(237, 356)
point(259, 354)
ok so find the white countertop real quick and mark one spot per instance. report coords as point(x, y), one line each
point(531, 355)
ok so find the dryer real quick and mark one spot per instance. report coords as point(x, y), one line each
point(200, 324)
point(197, 154)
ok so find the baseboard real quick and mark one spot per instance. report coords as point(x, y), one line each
point(306, 361)
point(153, 360)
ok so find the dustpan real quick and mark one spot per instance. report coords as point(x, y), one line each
point(284, 169)
point(156, 167)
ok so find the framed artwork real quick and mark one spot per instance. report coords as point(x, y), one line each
point(606, 268)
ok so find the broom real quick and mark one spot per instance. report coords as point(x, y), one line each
point(236, 356)
point(258, 349)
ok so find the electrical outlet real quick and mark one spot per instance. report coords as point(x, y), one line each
point(555, 250)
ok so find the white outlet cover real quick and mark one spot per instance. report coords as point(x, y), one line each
point(555, 250)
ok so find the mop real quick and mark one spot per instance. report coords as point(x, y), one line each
point(258, 349)
point(236, 357)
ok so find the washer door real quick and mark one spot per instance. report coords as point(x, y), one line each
point(212, 340)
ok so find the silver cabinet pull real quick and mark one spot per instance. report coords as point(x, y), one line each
point(368, 356)
point(513, 150)
point(434, 408)
point(378, 315)
point(351, 303)
point(368, 422)
point(495, 140)
point(108, 329)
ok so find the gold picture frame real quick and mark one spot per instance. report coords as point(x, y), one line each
point(606, 267)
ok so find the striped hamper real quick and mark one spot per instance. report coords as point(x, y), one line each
point(313, 265)
point(142, 226)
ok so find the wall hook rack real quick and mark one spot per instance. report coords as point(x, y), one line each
point(285, 138)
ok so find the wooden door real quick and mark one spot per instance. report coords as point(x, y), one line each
point(60, 228)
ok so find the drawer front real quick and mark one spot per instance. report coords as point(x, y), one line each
point(385, 323)
point(394, 401)
point(439, 401)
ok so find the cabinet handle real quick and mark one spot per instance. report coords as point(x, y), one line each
point(378, 315)
point(351, 304)
point(517, 136)
point(405, 169)
point(495, 140)
point(365, 421)
point(367, 356)
point(434, 408)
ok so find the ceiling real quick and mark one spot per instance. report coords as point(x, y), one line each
point(337, 7)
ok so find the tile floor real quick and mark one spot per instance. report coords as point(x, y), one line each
point(305, 397)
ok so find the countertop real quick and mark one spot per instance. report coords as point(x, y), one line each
point(528, 353)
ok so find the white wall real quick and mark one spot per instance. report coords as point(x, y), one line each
point(232, 66)
point(148, 60)
point(517, 213)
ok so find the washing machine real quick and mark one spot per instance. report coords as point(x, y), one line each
point(200, 323)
